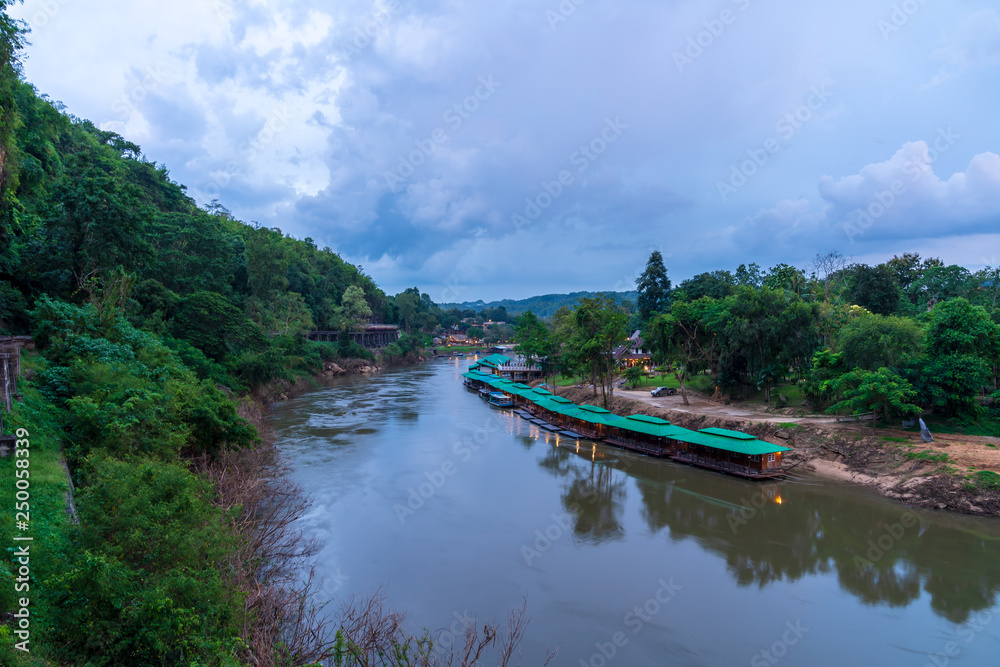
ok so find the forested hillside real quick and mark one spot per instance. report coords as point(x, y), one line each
point(545, 305)
point(155, 320)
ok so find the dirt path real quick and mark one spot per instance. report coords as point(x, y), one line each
point(700, 406)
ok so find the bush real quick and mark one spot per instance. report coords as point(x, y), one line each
point(144, 588)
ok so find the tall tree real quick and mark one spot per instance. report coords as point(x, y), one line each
point(654, 287)
point(683, 339)
point(356, 308)
point(532, 337)
point(600, 328)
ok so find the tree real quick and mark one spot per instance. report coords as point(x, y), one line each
point(356, 308)
point(870, 341)
point(874, 288)
point(654, 287)
point(882, 391)
point(600, 329)
point(958, 327)
point(683, 339)
point(634, 375)
point(829, 269)
point(939, 283)
point(760, 329)
point(717, 285)
point(407, 304)
point(750, 276)
point(532, 337)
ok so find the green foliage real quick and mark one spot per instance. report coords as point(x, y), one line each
point(215, 326)
point(653, 287)
point(871, 341)
point(882, 392)
point(821, 383)
point(138, 590)
point(761, 329)
point(958, 327)
point(532, 337)
point(951, 384)
point(874, 288)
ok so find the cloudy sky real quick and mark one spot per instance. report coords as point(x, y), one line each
point(505, 149)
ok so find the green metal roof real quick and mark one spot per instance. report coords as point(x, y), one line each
point(653, 426)
point(728, 434)
point(649, 420)
point(589, 416)
point(560, 399)
point(521, 385)
point(543, 392)
point(741, 445)
point(597, 410)
point(546, 404)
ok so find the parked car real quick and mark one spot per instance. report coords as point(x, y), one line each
point(662, 391)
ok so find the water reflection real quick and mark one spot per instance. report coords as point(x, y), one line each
point(881, 552)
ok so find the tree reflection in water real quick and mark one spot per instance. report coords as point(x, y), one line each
point(881, 552)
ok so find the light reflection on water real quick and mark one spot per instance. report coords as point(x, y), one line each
point(419, 485)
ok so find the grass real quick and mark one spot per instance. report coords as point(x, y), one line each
point(48, 522)
point(928, 455)
point(985, 426)
point(697, 383)
point(793, 392)
point(790, 426)
point(987, 479)
point(891, 439)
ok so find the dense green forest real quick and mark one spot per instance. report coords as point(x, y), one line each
point(908, 337)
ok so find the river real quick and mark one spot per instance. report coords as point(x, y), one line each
point(463, 511)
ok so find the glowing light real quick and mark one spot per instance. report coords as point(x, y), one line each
point(778, 500)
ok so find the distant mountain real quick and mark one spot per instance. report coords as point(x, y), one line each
point(542, 306)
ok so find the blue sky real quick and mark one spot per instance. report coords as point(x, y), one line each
point(491, 150)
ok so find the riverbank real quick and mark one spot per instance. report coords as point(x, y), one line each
point(957, 473)
point(282, 390)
